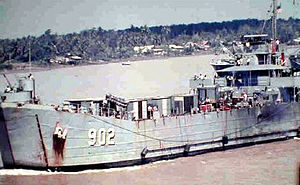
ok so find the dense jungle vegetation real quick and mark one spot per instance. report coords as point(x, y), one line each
point(99, 44)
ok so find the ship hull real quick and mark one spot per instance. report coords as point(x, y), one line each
point(28, 134)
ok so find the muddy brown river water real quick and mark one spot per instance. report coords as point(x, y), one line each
point(161, 77)
point(272, 163)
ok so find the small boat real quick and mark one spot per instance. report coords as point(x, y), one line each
point(126, 63)
point(222, 63)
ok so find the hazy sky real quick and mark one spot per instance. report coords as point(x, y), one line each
point(20, 18)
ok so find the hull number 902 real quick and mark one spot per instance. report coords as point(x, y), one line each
point(101, 137)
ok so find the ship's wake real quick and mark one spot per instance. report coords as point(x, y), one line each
point(27, 172)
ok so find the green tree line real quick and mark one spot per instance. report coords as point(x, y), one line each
point(99, 44)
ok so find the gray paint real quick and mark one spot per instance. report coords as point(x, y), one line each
point(194, 83)
point(17, 97)
point(285, 82)
point(154, 102)
point(5, 147)
point(132, 137)
point(158, 103)
point(1, 163)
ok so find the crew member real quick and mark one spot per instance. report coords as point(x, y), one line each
point(8, 89)
point(30, 76)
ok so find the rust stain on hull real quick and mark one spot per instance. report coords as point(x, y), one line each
point(42, 141)
point(58, 145)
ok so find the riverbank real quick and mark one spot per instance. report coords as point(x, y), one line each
point(27, 68)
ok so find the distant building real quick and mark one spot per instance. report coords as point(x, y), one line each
point(143, 49)
point(202, 46)
point(163, 50)
point(59, 60)
point(297, 40)
point(70, 59)
point(158, 51)
point(174, 47)
point(75, 57)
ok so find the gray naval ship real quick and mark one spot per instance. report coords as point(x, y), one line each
point(253, 101)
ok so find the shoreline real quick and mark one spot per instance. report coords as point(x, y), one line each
point(36, 68)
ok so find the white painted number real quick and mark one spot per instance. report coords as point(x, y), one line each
point(104, 137)
point(110, 136)
point(92, 135)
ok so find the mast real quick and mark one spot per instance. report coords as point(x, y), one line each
point(29, 56)
point(33, 80)
point(274, 20)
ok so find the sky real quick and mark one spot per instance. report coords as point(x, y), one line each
point(19, 18)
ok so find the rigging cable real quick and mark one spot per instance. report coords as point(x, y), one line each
point(265, 21)
point(180, 141)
